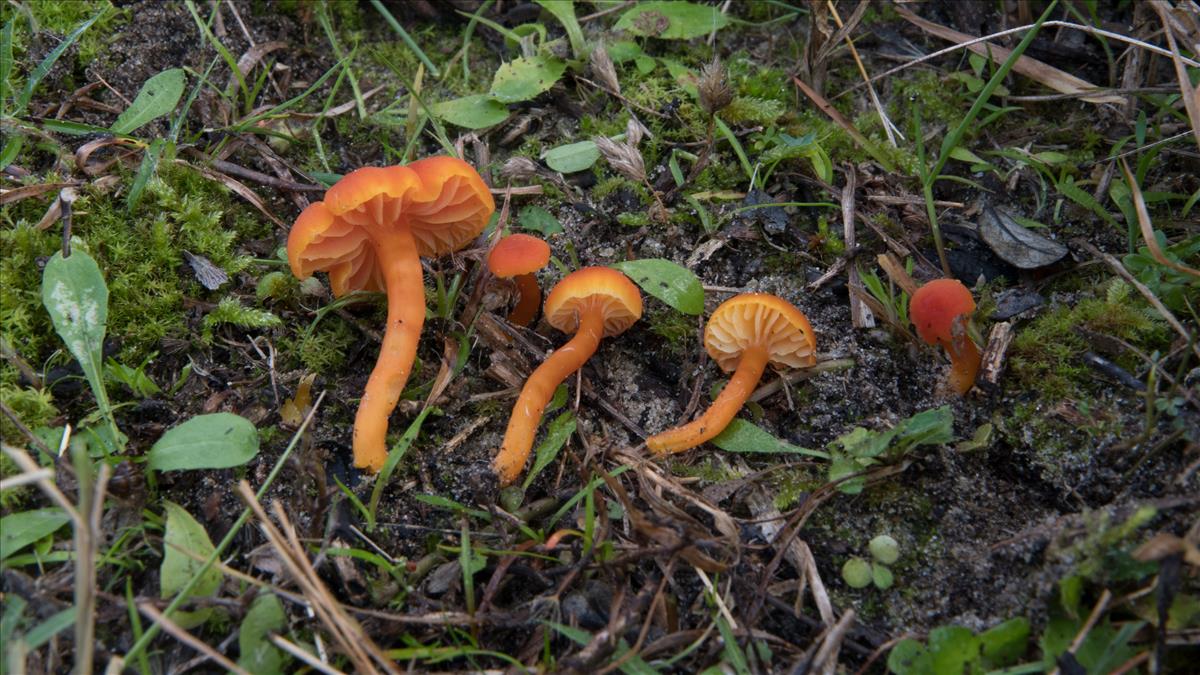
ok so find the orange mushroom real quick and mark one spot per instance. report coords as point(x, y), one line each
point(593, 302)
point(940, 311)
point(746, 333)
point(368, 234)
point(517, 257)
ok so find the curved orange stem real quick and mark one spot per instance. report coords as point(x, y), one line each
point(528, 300)
point(397, 254)
point(964, 363)
point(720, 413)
point(538, 390)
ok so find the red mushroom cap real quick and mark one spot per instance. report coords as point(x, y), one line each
point(518, 254)
point(936, 306)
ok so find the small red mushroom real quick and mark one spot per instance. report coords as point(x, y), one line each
point(517, 257)
point(940, 311)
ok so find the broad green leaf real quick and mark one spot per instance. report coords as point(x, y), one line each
point(18, 530)
point(557, 434)
point(183, 533)
point(624, 50)
point(747, 437)
point(524, 78)
point(539, 220)
point(157, 97)
point(1003, 644)
point(952, 647)
point(258, 654)
point(672, 20)
point(670, 282)
point(881, 576)
point(572, 157)
point(215, 441)
point(929, 427)
point(472, 112)
point(75, 295)
point(910, 657)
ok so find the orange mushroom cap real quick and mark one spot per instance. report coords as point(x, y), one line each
point(518, 254)
point(760, 319)
point(617, 297)
point(940, 310)
point(369, 234)
point(744, 335)
point(443, 201)
point(936, 306)
point(592, 303)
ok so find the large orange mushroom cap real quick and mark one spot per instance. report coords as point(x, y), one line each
point(443, 201)
point(369, 234)
point(940, 310)
point(753, 319)
point(744, 335)
point(612, 292)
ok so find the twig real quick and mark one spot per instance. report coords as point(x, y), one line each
point(993, 357)
point(826, 658)
point(860, 314)
point(303, 655)
point(177, 632)
point(1097, 611)
point(792, 376)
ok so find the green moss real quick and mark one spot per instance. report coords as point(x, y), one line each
point(677, 329)
point(323, 351)
point(141, 257)
point(34, 407)
point(1045, 356)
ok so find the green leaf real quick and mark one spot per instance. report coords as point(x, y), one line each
point(856, 572)
point(157, 97)
point(258, 654)
point(524, 78)
point(670, 282)
point(747, 437)
point(76, 297)
point(183, 533)
point(671, 20)
point(145, 172)
point(952, 647)
point(556, 436)
point(479, 111)
point(216, 441)
point(881, 576)
point(564, 11)
point(910, 657)
point(964, 155)
point(1003, 644)
point(539, 220)
point(572, 157)
point(18, 530)
point(57, 623)
point(393, 460)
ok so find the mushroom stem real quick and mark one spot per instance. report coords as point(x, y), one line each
point(397, 254)
point(718, 416)
point(964, 363)
point(538, 390)
point(528, 299)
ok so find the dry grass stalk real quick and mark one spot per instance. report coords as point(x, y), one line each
point(860, 314)
point(827, 656)
point(1172, 19)
point(888, 127)
point(85, 521)
point(1147, 226)
point(1030, 67)
point(176, 631)
point(347, 633)
point(896, 272)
